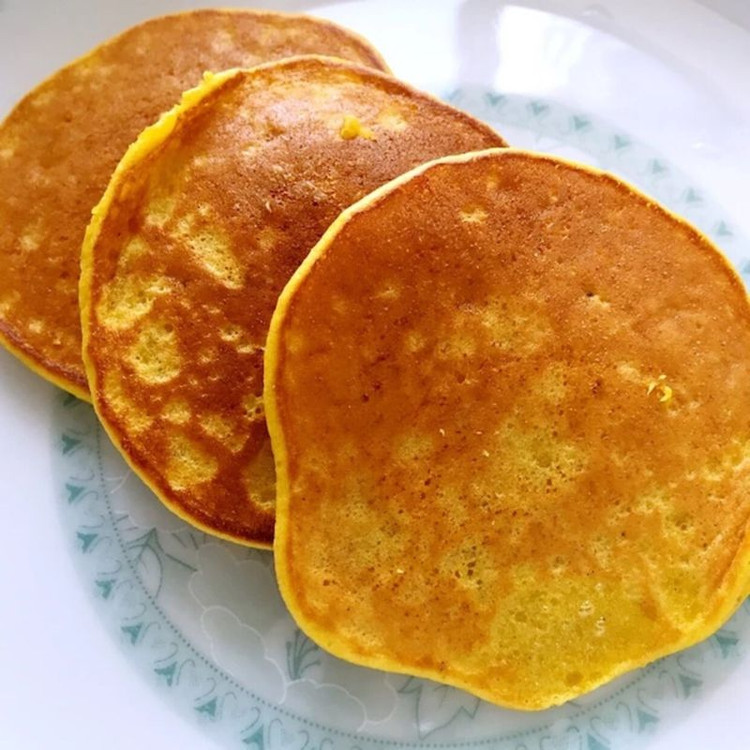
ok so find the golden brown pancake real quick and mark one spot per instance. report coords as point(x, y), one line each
point(509, 402)
point(205, 220)
point(59, 145)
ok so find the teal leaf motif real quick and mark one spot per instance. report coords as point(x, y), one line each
point(693, 196)
point(209, 708)
point(727, 643)
point(168, 673)
point(298, 654)
point(581, 123)
point(723, 230)
point(493, 99)
point(147, 552)
point(256, 738)
point(105, 587)
point(74, 492)
point(594, 744)
point(746, 268)
point(538, 108)
point(86, 540)
point(621, 142)
point(150, 541)
point(70, 400)
point(453, 95)
point(645, 719)
point(689, 684)
point(69, 444)
point(438, 705)
point(132, 631)
point(658, 167)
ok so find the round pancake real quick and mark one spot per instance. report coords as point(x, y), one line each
point(205, 220)
point(59, 145)
point(509, 402)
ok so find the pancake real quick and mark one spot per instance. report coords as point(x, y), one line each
point(509, 402)
point(60, 144)
point(205, 220)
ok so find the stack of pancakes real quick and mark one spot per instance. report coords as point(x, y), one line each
point(491, 409)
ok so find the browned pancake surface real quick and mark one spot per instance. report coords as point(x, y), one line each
point(509, 400)
point(59, 145)
point(200, 232)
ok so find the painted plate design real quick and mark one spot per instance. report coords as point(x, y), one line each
point(203, 621)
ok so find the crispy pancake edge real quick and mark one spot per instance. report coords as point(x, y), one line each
point(16, 345)
point(735, 583)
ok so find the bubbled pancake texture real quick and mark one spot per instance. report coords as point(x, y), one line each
point(60, 144)
point(200, 239)
point(534, 388)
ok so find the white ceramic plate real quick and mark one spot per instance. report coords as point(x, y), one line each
point(122, 627)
